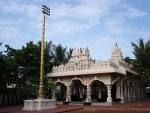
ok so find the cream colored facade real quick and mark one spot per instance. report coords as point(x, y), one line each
point(88, 80)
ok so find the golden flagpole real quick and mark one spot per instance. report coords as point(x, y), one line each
point(41, 103)
point(45, 11)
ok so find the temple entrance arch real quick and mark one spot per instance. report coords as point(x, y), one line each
point(117, 91)
point(98, 91)
point(60, 91)
point(74, 79)
point(78, 90)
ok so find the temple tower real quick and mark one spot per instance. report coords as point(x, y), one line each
point(116, 54)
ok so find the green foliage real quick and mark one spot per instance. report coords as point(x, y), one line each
point(22, 66)
point(129, 60)
point(3, 77)
point(49, 85)
point(69, 53)
point(60, 56)
point(0, 51)
point(141, 51)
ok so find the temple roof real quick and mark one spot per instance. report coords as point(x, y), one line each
point(80, 63)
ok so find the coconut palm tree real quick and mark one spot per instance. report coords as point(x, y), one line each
point(60, 54)
point(141, 51)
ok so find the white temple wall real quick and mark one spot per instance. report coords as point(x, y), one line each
point(85, 79)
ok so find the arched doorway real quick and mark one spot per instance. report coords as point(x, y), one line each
point(60, 92)
point(98, 91)
point(117, 91)
point(78, 91)
point(113, 93)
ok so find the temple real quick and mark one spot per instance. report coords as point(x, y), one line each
point(86, 80)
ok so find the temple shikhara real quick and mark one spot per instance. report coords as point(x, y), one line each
point(86, 80)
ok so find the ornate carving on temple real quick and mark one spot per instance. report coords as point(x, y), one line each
point(80, 60)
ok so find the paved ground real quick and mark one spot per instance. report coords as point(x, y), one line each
point(132, 107)
point(59, 109)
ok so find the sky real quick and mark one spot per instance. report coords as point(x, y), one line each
point(96, 24)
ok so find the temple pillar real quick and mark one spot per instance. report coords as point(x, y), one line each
point(134, 91)
point(125, 91)
point(109, 98)
point(118, 95)
point(138, 92)
point(131, 93)
point(68, 94)
point(99, 93)
point(54, 94)
point(122, 94)
point(81, 92)
point(88, 94)
point(129, 97)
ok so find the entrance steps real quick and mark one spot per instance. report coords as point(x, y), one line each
point(93, 103)
point(102, 103)
point(76, 103)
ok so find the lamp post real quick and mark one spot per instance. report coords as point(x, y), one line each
point(45, 11)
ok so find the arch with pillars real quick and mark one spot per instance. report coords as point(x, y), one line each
point(73, 79)
point(98, 91)
point(60, 91)
point(59, 82)
point(78, 90)
point(96, 79)
point(117, 90)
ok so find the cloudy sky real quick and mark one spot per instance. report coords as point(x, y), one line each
point(96, 24)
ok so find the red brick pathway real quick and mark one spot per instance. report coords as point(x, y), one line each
point(59, 109)
point(132, 107)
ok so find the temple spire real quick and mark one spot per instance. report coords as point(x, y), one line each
point(116, 53)
point(116, 45)
point(80, 54)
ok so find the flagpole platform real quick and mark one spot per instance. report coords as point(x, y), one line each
point(39, 104)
